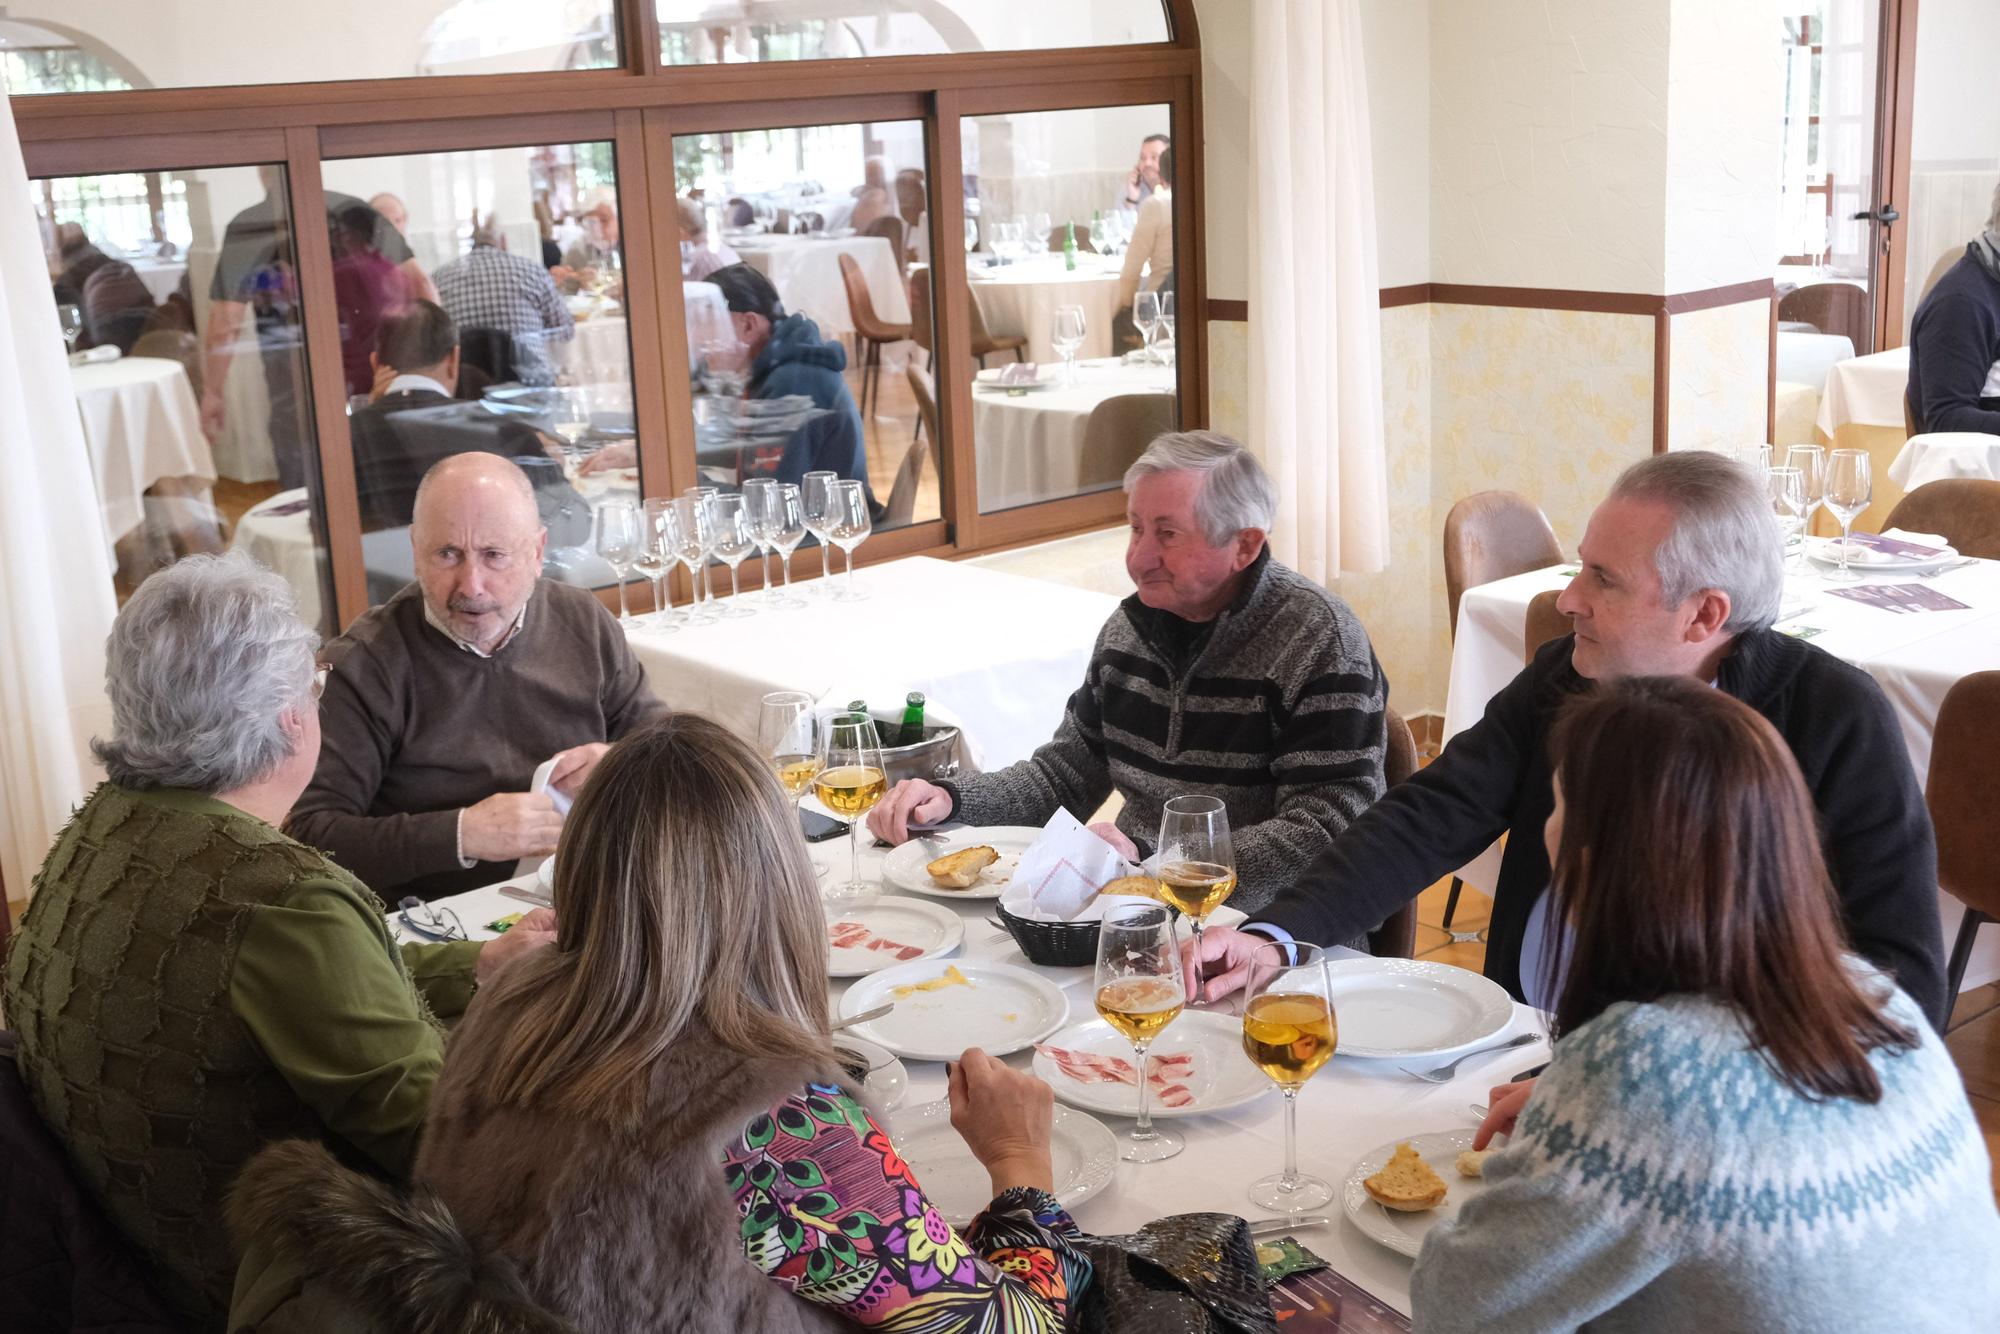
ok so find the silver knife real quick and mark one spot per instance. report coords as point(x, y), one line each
point(1278, 1227)
point(862, 1018)
point(527, 896)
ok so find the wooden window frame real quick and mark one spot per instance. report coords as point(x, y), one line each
point(640, 106)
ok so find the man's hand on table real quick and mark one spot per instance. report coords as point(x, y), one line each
point(535, 929)
point(1005, 1116)
point(1224, 955)
point(1115, 836)
point(508, 826)
point(623, 454)
point(912, 801)
point(1503, 1106)
point(573, 767)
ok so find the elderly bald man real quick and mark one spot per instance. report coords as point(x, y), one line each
point(444, 700)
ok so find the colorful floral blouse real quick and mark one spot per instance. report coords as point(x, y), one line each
point(831, 1211)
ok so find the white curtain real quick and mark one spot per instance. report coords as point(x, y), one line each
point(55, 577)
point(1315, 323)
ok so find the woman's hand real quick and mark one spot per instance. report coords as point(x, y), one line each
point(1503, 1106)
point(1005, 1117)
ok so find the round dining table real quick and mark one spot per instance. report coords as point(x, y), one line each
point(1034, 445)
point(1022, 297)
point(806, 271)
point(141, 425)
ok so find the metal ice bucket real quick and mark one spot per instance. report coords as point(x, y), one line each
point(935, 757)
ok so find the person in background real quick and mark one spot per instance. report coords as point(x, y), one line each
point(117, 306)
point(873, 198)
point(1225, 673)
point(77, 257)
point(1955, 342)
point(1145, 177)
point(367, 288)
point(643, 1121)
point(443, 701)
point(1680, 576)
point(701, 257)
point(392, 210)
point(1744, 1126)
point(188, 983)
point(1152, 248)
point(598, 246)
point(912, 203)
point(488, 288)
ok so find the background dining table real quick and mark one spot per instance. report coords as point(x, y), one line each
point(806, 272)
point(1941, 455)
point(1031, 444)
point(1021, 298)
point(141, 425)
point(1861, 407)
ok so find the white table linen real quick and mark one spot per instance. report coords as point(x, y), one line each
point(1021, 298)
point(161, 276)
point(1805, 358)
point(1943, 454)
point(1001, 652)
point(598, 353)
point(1865, 391)
point(1350, 1107)
point(806, 272)
point(279, 537)
point(141, 424)
point(1915, 657)
point(1030, 445)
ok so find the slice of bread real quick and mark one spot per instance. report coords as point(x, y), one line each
point(960, 870)
point(1406, 1182)
point(1472, 1163)
point(1142, 886)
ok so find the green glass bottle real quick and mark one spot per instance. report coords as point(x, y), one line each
point(912, 730)
point(1069, 246)
point(857, 710)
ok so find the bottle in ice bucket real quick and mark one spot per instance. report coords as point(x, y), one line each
point(913, 720)
point(858, 709)
point(1069, 246)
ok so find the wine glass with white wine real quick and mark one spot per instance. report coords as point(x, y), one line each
point(1289, 1032)
point(1139, 993)
point(1195, 869)
point(788, 728)
point(851, 779)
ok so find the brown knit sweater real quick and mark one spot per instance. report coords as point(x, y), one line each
point(416, 728)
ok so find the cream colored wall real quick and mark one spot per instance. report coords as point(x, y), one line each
point(1396, 39)
point(1225, 160)
point(1724, 95)
point(1717, 385)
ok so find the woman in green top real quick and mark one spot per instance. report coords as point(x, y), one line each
point(189, 984)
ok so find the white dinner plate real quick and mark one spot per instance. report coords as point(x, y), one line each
point(1218, 1076)
point(1004, 1009)
point(881, 933)
point(1395, 1229)
point(904, 866)
point(888, 1080)
point(1046, 377)
point(1084, 1151)
point(1406, 1007)
point(1826, 551)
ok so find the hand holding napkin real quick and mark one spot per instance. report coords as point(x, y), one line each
point(1059, 875)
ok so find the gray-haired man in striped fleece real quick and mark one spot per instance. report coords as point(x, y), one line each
point(1226, 674)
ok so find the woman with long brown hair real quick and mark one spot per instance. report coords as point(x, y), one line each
point(649, 1120)
point(1744, 1125)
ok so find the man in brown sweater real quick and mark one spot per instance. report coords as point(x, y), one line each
point(444, 700)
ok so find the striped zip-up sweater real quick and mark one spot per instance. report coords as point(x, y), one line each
point(1280, 713)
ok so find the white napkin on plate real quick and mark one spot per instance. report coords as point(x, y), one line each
point(92, 355)
point(1059, 875)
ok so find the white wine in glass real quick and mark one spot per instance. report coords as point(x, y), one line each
point(788, 728)
point(1195, 870)
point(1289, 1032)
point(851, 779)
point(1138, 991)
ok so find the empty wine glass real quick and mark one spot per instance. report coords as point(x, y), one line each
point(70, 317)
point(848, 525)
point(1138, 992)
point(816, 490)
point(1039, 229)
point(788, 727)
point(755, 509)
point(618, 545)
point(733, 545)
point(1849, 487)
point(1146, 317)
point(1787, 489)
point(1289, 1032)
point(656, 559)
point(1810, 460)
point(704, 494)
point(1163, 330)
point(692, 539)
point(851, 779)
point(786, 516)
point(971, 235)
point(1067, 338)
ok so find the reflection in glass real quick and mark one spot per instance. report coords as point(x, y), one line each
point(709, 32)
point(1074, 264)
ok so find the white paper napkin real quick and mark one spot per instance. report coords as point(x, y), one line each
point(1059, 875)
point(537, 785)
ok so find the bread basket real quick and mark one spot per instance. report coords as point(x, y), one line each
point(1053, 944)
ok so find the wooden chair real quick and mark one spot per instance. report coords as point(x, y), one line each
point(920, 313)
point(1489, 536)
point(902, 503)
point(1831, 308)
point(925, 391)
point(1963, 791)
point(1544, 622)
point(891, 229)
point(1396, 938)
point(869, 329)
point(1117, 433)
point(983, 341)
point(1965, 511)
point(1058, 233)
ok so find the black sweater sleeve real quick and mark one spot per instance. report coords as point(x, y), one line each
point(1425, 827)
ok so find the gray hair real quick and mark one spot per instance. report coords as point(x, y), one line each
point(1723, 535)
point(1236, 492)
point(199, 665)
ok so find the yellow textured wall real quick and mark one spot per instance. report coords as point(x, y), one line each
point(1717, 390)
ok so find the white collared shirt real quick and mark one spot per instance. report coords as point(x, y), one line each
point(437, 623)
point(415, 384)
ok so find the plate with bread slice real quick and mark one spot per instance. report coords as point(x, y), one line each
point(1396, 1194)
point(967, 863)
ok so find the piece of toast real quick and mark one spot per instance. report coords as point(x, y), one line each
point(1472, 1163)
point(1406, 1182)
point(1142, 886)
point(960, 870)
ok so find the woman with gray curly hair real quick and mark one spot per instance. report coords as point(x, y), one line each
point(188, 983)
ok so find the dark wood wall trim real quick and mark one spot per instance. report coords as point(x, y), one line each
point(1710, 298)
point(1663, 351)
point(1415, 294)
point(1543, 298)
point(1229, 312)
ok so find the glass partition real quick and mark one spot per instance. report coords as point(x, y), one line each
point(709, 32)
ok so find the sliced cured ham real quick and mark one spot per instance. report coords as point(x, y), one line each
point(1164, 1073)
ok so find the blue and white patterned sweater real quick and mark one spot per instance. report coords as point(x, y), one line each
point(1662, 1177)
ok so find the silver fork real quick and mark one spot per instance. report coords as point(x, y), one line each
point(1445, 1073)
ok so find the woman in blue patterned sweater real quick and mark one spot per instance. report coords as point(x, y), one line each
point(1745, 1127)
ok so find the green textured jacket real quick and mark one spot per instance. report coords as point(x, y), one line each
point(187, 985)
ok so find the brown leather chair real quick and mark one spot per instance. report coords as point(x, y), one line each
point(925, 390)
point(1965, 511)
point(1544, 622)
point(1963, 791)
point(173, 345)
point(869, 329)
point(891, 229)
point(1490, 536)
point(1831, 308)
point(920, 312)
point(984, 343)
point(1397, 937)
point(1117, 433)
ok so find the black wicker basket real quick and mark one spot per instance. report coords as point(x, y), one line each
point(1053, 944)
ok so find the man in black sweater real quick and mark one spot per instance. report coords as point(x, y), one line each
point(1682, 576)
point(1955, 342)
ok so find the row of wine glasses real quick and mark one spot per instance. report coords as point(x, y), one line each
point(1153, 313)
point(1810, 477)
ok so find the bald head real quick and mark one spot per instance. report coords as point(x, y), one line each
point(478, 539)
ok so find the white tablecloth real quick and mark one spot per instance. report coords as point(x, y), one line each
point(141, 424)
point(1030, 446)
point(282, 541)
point(806, 272)
point(1021, 298)
point(1350, 1107)
point(1867, 391)
point(161, 276)
point(600, 353)
point(1943, 454)
point(1915, 658)
point(1000, 651)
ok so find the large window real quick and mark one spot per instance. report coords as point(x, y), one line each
point(706, 32)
